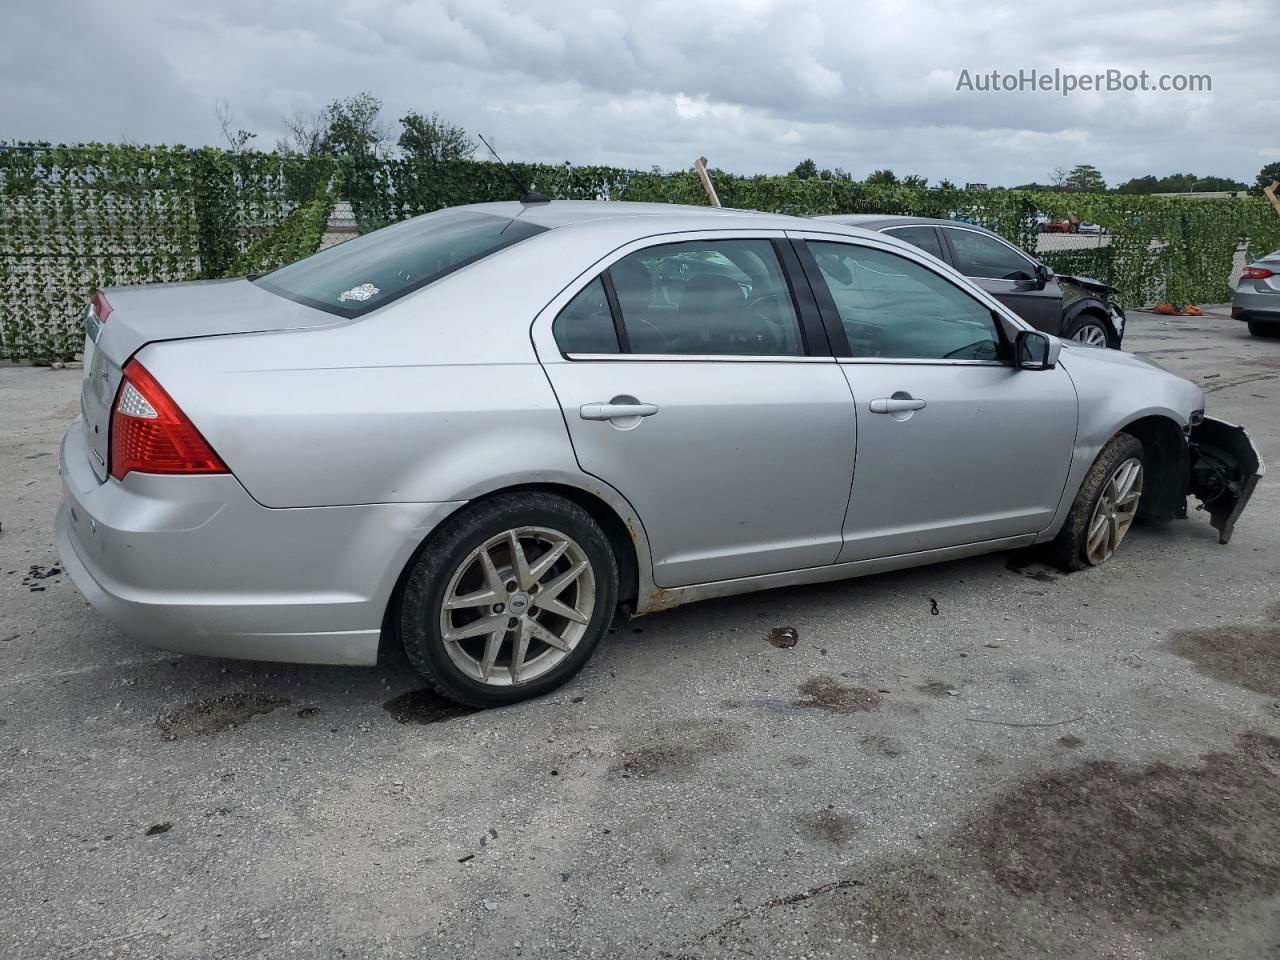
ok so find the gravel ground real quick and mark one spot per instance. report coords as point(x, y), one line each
point(1058, 766)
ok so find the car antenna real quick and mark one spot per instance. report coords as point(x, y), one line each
point(526, 195)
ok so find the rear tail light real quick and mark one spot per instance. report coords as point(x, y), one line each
point(150, 434)
point(1256, 273)
point(97, 314)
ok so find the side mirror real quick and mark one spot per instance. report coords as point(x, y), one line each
point(1033, 350)
point(1043, 275)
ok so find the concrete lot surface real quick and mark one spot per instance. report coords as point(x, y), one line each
point(1078, 766)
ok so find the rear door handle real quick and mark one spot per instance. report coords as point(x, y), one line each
point(616, 411)
point(896, 404)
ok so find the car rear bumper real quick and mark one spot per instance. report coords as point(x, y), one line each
point(1251, 305)
point(195, 565)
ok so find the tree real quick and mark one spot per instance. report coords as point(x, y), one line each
point(354, 127)
point(1058, 176)
point(805, 170)
point(431, 138)
point(238, 139)
point(915, 182)
point(945, 184)
point(350, 126)
point(306, 134)
point(882, 178)
point(1267, 174)
point(1085, 178)
point(1147, 184)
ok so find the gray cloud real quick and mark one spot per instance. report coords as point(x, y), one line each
point(755, 85)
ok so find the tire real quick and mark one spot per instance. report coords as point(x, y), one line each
point(475, 668)
point(1091, 323)
point(1069, 550)
point(1264, 328)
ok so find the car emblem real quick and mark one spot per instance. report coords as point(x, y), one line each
point(362, 292)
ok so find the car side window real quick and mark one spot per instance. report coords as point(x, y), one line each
point(977, 255)
point(585, 325)
point(892, 307)
point(926, 238)
point(707, 297)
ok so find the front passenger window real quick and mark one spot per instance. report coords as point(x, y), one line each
point(892, 307)
point(978, 255)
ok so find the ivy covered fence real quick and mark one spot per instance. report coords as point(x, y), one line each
point(74, 218)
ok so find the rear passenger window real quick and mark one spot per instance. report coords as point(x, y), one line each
point(926, 238)
point(707, 297)
point(585, 325)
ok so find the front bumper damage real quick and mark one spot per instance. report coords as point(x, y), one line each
point(1223, 468)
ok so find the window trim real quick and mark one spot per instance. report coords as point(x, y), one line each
point(955, 260)
point(835, 326)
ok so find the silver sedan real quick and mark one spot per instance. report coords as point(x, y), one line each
point(489, 432)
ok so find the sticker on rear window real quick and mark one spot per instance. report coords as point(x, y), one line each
point(362, 292)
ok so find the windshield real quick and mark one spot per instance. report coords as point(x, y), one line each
point(352, 278)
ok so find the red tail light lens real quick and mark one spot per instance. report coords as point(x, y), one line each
point(1256, 273)
point(150, 434)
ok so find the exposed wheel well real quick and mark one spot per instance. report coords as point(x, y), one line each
point(1164, 494)
point(614, 527)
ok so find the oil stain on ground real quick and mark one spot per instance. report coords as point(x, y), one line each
point(1020, 563)
point(674, 749)
point(1084, 862)
point(425, 706)
point(828, 693)
point(214, 715)
point(1248, 656)
point(827, 826)
point(1118, 848)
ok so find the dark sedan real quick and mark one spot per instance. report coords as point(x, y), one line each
point(1073, 307)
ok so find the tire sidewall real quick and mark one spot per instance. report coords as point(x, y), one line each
point(429, 579)
point(1120, 448)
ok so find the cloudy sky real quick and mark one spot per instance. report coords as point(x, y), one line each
point(756, 85)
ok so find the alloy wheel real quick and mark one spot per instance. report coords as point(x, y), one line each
point(1092, 334)
point(1115, 511)
point(517, 606)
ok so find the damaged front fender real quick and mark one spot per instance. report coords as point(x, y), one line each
point(1225, 467)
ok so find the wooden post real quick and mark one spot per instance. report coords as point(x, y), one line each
point(701, 166)
point(1270, 193)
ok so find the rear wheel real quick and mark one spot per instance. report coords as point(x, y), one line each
point(1105, 507)
point(509, 599)
point(1091, 329)
point(1264, 328)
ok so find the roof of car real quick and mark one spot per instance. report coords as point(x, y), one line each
point(561, 213)
point(878, 221)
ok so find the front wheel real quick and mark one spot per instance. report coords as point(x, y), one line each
point(1105, 507)
point(509, 599)
point(1090, 329)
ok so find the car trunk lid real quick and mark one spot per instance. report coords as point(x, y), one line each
point(122, 320)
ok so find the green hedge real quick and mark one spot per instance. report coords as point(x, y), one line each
point(76, 218)
point(1174, 248)
point(73, 219)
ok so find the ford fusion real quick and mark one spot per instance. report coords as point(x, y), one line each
point(489, 432)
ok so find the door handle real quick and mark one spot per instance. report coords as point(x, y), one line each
point(897, 404)
point(616, 411)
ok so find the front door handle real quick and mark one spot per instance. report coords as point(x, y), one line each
point(897, 404)
point(616, 411)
